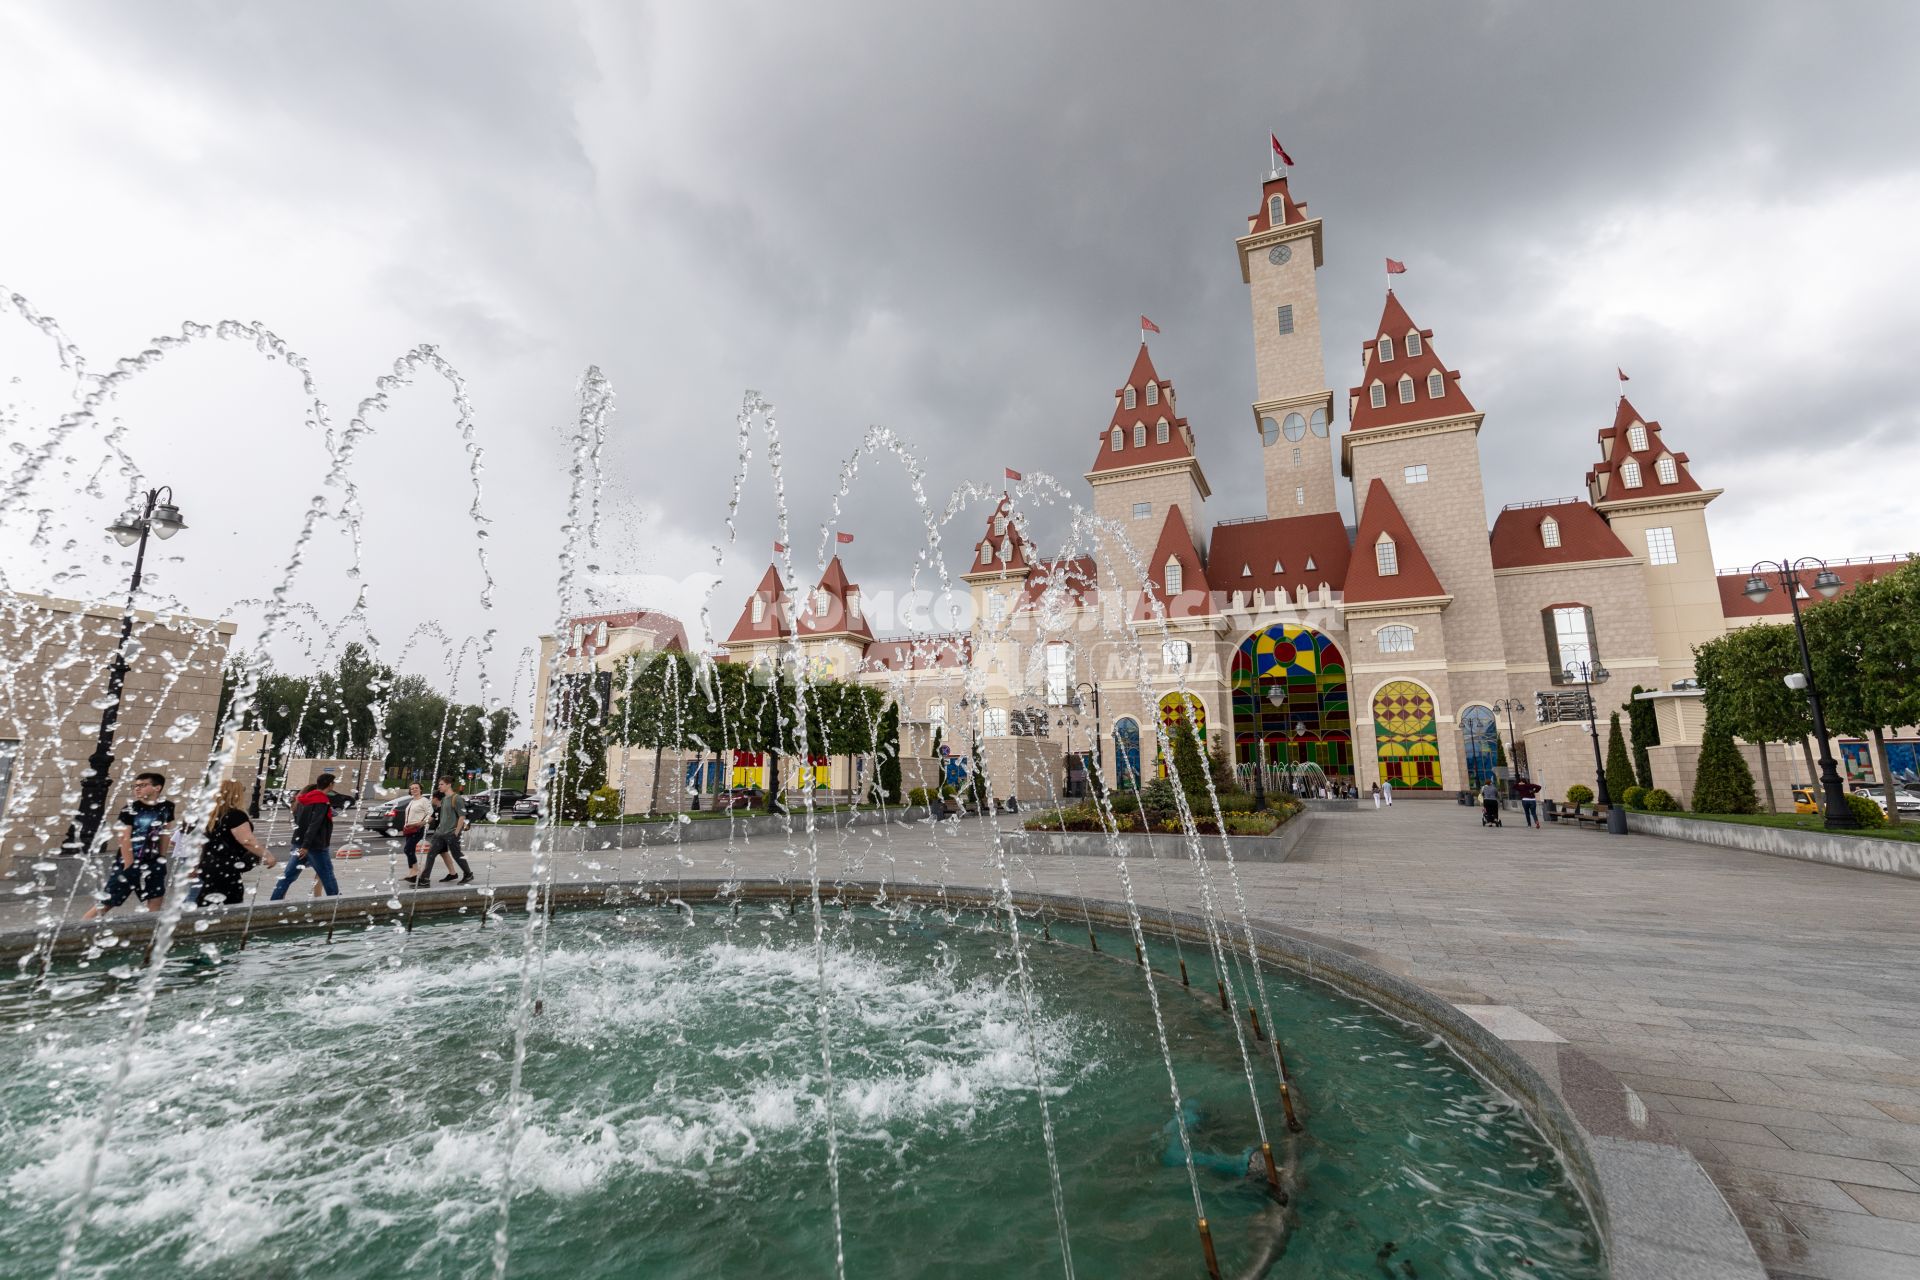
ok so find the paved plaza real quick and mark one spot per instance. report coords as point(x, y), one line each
point(1764, 1007)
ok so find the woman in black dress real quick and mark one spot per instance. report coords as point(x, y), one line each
point(231, 849)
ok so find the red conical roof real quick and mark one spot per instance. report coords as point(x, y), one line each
point(1195, 597)
point(1007, 550)
point(1608, 482)
point(1179, 441)
point(1415, 579)
point(1396, 324)
point(1291, 213)
point(775, 612)
point(831, 608)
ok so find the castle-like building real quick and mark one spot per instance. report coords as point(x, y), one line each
point(1415, 646)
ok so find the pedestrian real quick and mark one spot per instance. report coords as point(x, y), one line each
point(1374, 791)
point(1386, 791)
point(414, 820)
point(1528, 791)
point(446, 840)
point(145, 842)
point(312, 838)
point(230, 849)
point(1489, 804)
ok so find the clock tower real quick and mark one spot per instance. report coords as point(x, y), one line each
point(1293, 417)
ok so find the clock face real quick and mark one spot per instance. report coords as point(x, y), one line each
point(1279, 254)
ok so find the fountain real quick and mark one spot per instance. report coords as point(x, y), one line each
point(819, 1041)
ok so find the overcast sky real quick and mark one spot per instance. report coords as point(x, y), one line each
point(940, 219)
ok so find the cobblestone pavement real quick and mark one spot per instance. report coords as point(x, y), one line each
point(1765, 1007)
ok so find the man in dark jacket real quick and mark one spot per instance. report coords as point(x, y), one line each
point(312, 838)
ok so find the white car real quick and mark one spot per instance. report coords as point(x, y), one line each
point(1905, 800)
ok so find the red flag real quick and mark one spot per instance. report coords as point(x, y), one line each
point(1146, 324)
point(1279, 150)
point(1622, 372)
point(1013, 475)
point(1396, 268)
point(843, 538)
point(779, 548)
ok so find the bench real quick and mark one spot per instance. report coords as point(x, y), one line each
point(1595, 818)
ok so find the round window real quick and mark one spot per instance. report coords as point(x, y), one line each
point(1296, 426)
point(1269, 431)
point(1319, 423)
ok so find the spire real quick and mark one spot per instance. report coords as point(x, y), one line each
point(1400, 358)
point(1290, 213)
point(835, 606)
point(1152, 409)
point(1194, 599)
point(767, 615)
point(1412, 577)
point(1001, 549)
point(1625, 473)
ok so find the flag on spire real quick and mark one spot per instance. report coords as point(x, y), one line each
point(843, 538)
point(1279, 151)
point(1146, 324)
point(1622, 372)
point(1396, 268)
point(779, 548)
point(1014, 476)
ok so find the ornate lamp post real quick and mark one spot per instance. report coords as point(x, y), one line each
point(1589, 674)
point(1092, 692)
point(159, 516)
point(1511, 705)
point(1838, 816)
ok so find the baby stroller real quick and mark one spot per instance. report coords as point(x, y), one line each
point(1489, 813)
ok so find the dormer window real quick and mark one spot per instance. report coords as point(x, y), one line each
point(1667, 469)
point(821, 603)
point(1139, 435)
point(1630, 474)
point(1311, 566)
point(1119, 441)
point(1386, 557)
point(1246, 571)
point(759, 610)
point(1129, 397)
point(1386, 347)
point(1637, 438)
point(1278, 567)
point(999, 526)
point(1174, 578)
point(1436, 385)
point(1406, 389)
point(1153, 393)
point(1277, 211)
point(1413, 343)
point(1549, 532)
point(853, 604)
point(1160, 432)
point(986, 553)
point(1377, 396)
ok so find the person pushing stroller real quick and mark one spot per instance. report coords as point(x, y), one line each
point(1489, 805)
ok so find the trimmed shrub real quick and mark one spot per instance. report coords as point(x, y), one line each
point(1722, 783)
point(1660, 800)
point(604, 805)
point(1236, 802)
point(919, 796)
point(1579, 793)
point(1634, 797)
point(1252, 824)
point(1619, 765)
point(1865, 811)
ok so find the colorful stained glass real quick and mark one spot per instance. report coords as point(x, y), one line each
point(1173, 710)
point(1407, 736)
point(1482, 739)
point(1290, 700)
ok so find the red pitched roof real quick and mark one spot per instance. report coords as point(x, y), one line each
point(827, 611)
point(1733, 586)
point(1396, 324)
point(920, 653)
point(1605, 482)
point(587, 627)
point(1265, 555)
point(1195, 598)
point(1179, 442)
point(1078, 581)
point(1291, 213)
point(1584, 534)
point(1415, 580)
point(775, 617)
point(1007, 549)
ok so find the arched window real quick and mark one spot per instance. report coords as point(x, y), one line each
point(1153, 393)
point(1386, 557)
point(1386, 347)
point(1396, 639)
point(1139, 435)
point(1277, 211)
point(1406, 389)
point(1481, 737)
point(1129, 397)
point(1413, 342)
point(1667, 469)
point(1174, 578)
point(1630, 474)
point(1377, 396)
point(1160, 432)
point(1637, 438)
point(1549, 532)
point(1118, 440)
point(1569, 630)
point(986, 553)
point(1436, 385)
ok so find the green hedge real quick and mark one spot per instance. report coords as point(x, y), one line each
point(1660, 800)
point(1579, 793)
point(1635, 797)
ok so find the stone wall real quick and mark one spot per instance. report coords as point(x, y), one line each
point(1675, 766)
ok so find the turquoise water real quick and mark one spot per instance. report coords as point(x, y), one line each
point(306, 1109)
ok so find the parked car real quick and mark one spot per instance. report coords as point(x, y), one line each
point(526, 807)
point(1906, 802)
point(385, 816)
point(481, 806)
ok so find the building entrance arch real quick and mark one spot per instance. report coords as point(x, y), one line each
point(1126, 753)
point(1290, 701)
point(1480, 733)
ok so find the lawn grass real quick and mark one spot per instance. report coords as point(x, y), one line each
point(1803, 822)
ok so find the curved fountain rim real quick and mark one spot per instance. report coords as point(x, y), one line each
point(1610, 1145)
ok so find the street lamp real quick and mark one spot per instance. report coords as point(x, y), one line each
point(163, 520)
point(1838, 816)
point(1589, 674)
point(1092, 692)
point(1510, 705)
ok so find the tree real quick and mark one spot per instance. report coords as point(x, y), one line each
point(1619, 767)
point(1189, 763)
point(583, 764)
point(1225, 780)
point(1743, 675)
point(1722, 782)
point(1643, 731)
point(1866, 647)
point(889, 771)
